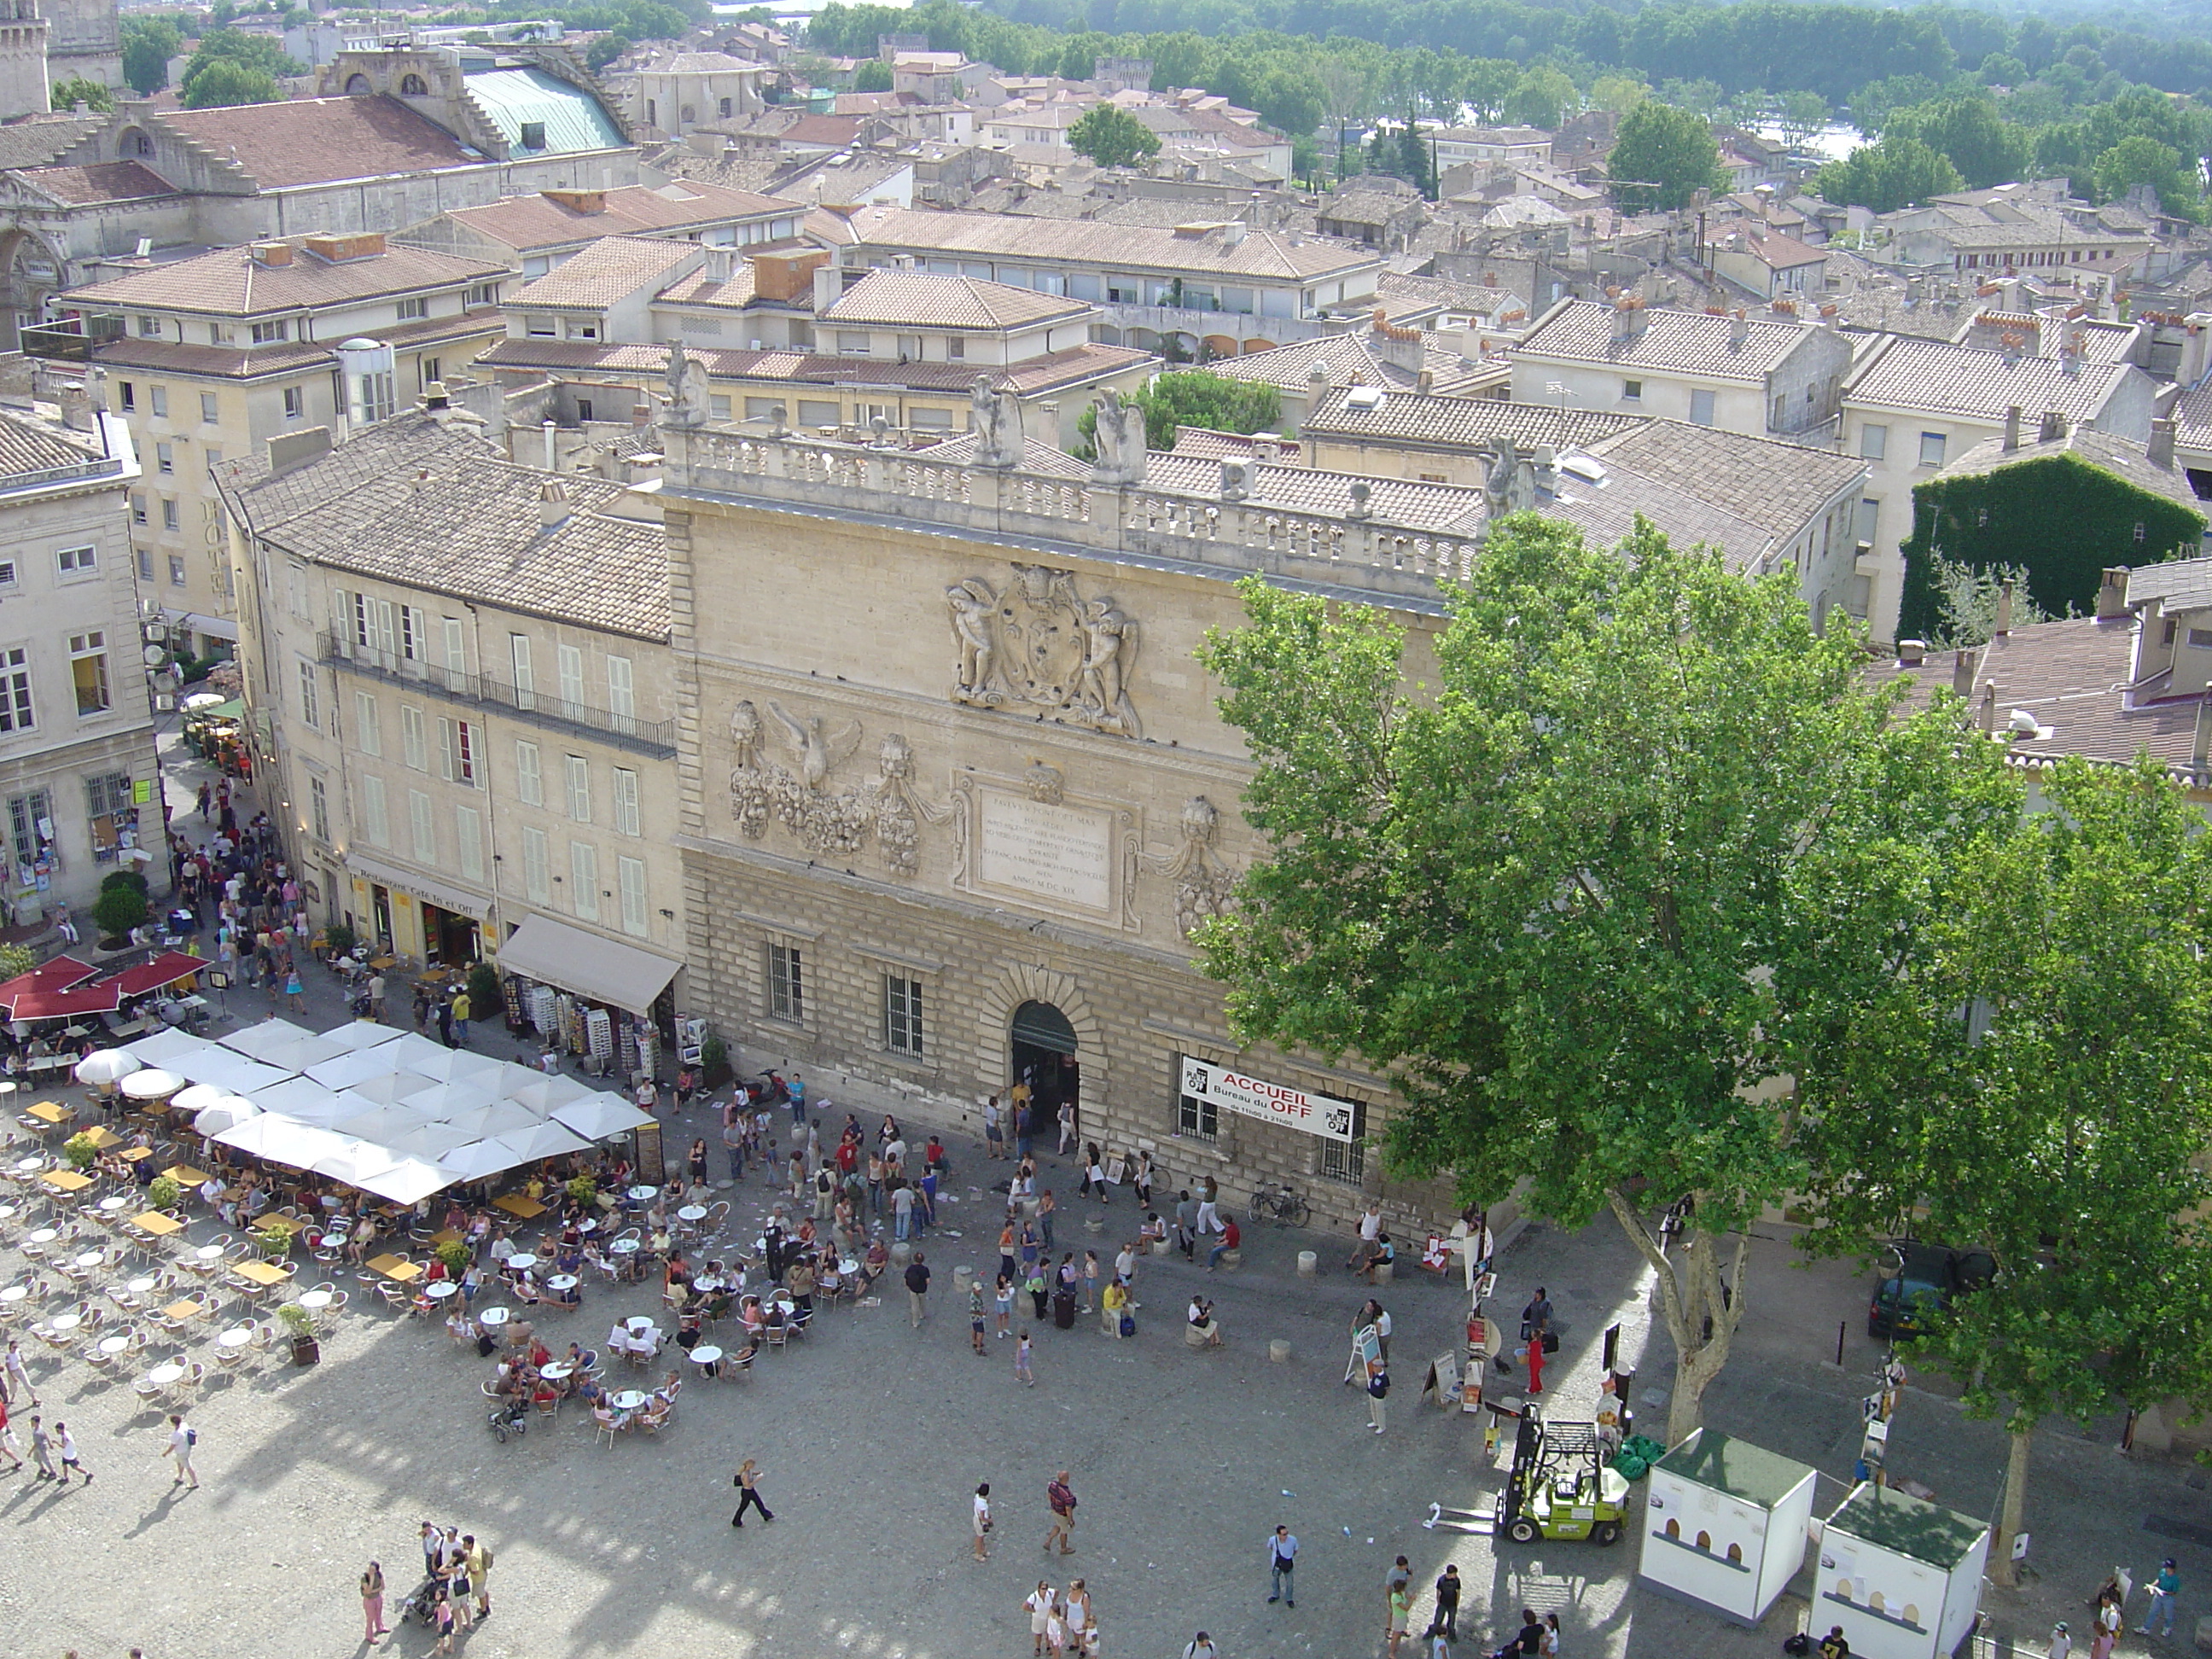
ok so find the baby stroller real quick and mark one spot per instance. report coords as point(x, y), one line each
point(511, 1417)
point(423, 1605)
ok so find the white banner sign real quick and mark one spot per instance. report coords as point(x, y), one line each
point(1272, 1103)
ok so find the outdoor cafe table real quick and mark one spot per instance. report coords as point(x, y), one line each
point(316, 1301)
point(643, 1194)
point(207, 1253)
point(185, 1175)
point(706, 1354)
point(152, 1221)
point(186, 1308)
point(134, 1154)
point(68, 1321)
point(395, 1267)
point(261, 1273)
point(43, 1236)
point(143, 1284)
point(692, 1212)
point(495, 1317)
point(623, 1246)
point(67, 1181)
point(236, 1337)
point(24, 1166)
point(629, 1400)
point(441, 1290)
point(89, 1260)
point(561, 1284)
point(46, 1112)
point(162, 1377)
point(521, 1208)
point(559, 1371)
point(14, 1293)
point(114, 1202)
point(521, 1263)
point(113, 1345)
point(103, 1138)
point(451, 1236)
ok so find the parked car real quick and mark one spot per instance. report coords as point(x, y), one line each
point(1923, 1276)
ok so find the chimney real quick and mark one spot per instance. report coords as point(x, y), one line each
point(1963, 664)
point(2195, 347)
point(720, 264)
point(2200, 746)
point(2113, 593)
point(77, 406)
point(2012, 429)
point(552, 504)
point(2161, 453)
point(1911, 652)
point(1987, 719)
point(433, 396)
point(641, 415)
point(549, 428)
point(2003, 625)
point(269, 255)
point(2053, 427)
point(1624, 320)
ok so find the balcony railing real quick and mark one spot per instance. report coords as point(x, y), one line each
point(72, 342)
point(655, 738)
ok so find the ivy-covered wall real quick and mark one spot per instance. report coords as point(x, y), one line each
point(2063, 519)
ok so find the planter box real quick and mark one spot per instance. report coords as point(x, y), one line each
point(305, 1351)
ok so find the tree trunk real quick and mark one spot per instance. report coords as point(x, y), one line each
point(1688, 1308)
point(2002, 1570)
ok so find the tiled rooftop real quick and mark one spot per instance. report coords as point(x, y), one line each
point(96, 181)
point(2102, 449)
point(312, 140)
point(1134, 247)
point(907, 299)
point(525, 223)
point(1671, 342)
point(246, 363)
point(436, 507)
point(229, 282)
point(1936, 376)
point(1762, 481)
point(29, 445)
point(1075, 367)
point(608, 270)
point(1459, 423)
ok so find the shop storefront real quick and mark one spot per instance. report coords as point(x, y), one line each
point(613, 1004)
point(426, 923)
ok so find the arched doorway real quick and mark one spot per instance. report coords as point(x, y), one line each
point(1043, 1048)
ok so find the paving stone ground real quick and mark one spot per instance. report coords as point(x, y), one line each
point(871, 1436)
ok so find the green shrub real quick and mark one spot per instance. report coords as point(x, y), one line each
point(585, 1190)
point(340, 937)
point(297, 1320)
point(117, 911)
point(80, 1152)
point(487, 1000)
point(165, 1194)
point(455, 1255)
point(133, 880)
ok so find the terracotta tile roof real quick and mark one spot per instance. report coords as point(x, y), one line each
point(906, 299)
point(1075, 367)
point(834, 130)
point(1399, 501)
point(1290, 368)
point(1674, 341)
point(1772, 249)
point(2192, 417)
point(1943, 378)
point(697, 288)
point(312, 141)
point(259, 362)
point(2178, 585)
point(701, 63)
point(30, 446)
point(609, 269)
point(229, 282)
point(96, 181)
point(472, 528)
point(1763, 481)
point(525, 223)
point(1409, 417)
point(38, 140)
point(1131, 248)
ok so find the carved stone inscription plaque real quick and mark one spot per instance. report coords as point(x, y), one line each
point(1064, 854)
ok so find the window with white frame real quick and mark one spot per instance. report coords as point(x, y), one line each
point(468, 837)
point(75, 563)
point(295, 402)
point(529, 781)
point(310, 702)
point(622, 694)
point(267, 333)
point(210, 409)
point(457, 753)
point(16, 713)
point(414, 639)
point(414, 749)
point(786, 982)
point(165, 458)
point(570, 662)
point(138, 507)
point(30, 825)
point(367, 725)
point(536, 878)
point(376, 626)
point(374, 821)
point(584, 880)
point(145, 564)
point(629, 882)
point(580, 789)
point(903, 1015)
point(319, 809)
point(1932, 445)
point(422, 827)
point(89, 671)
point(159, 395)
point(414, 306)
point(626, 802)
point(457, 645)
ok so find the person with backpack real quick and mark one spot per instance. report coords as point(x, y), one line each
point(479, 1559)
point(182, 1438)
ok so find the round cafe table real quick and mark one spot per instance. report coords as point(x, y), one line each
point(162, 1376)
point(14, 1294)
point(31, 1165)
point(519, 1263)
point(706, 1284)
point(114, 1206)
point(89, 1260)
point(638, 1324)
point(692, 1212)
point(44, 1236)
point(236, 1337)
point(207, 1253)
point(559, 1371)
point(141, 1285)
point(562, 1282)
point(494, 1317)
point(629, 1400)
point(113, 1344)
point(643, 1194)
point(706, 1354)
point(848, 1266)
point(7, 1212)
point(68, 1321)
point(437, 1292)
point(623, 1246)
point(315, 1301)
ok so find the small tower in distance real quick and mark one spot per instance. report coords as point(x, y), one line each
point(23, 39)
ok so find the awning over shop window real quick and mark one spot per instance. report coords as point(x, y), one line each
point(596, 969)
point(432, 893)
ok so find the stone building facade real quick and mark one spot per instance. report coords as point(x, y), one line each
point(954, 790)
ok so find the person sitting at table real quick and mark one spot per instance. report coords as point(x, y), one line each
point(873, 1265)
point(645, 1343)
point(461, 1328)
point(750, 1316)
point(800, 1281)
point(571, 1258)
point(596, 1259)
point(606, 1417)
point(687, 1331)
point(670, 1386)
point(479, 1230)
point(618, 1339)
point(673, 1193)
point(503, 1247)
point(655, 1412)
point(437, 1273)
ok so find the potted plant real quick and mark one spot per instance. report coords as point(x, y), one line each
point(455, 1255)
point(301, 1324)
point(273, 1241)
point(80, 1152)
point(115, 913)
point(337, 938)
point(485, 993)
point(585, 1190)
point(164, 1194)
point(713, 1063)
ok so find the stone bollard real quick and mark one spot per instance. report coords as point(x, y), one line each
point(2205, 1633)
point(1309, 1264)
point(962, 1277)
point(1233, 1259)
point(1159, 1247)
point(1092, 1223)
point(1382, 1272)
point(902, 1253)
point(1279, 1351)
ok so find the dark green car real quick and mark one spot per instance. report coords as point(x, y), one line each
point(1923, 1276)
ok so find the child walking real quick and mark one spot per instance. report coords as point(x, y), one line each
point(1021, 1360)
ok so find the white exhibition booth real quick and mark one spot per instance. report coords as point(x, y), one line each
point(389, 1112)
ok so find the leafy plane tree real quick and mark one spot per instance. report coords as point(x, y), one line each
point(1594, 887)
point(2041, 1086)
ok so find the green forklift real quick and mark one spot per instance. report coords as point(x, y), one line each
point(1560, 1486)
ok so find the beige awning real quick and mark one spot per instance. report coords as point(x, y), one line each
point(461, 903)
point(596, 969)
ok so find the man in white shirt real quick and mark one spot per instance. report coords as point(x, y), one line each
point(1370, 1227)
point(182, 1439)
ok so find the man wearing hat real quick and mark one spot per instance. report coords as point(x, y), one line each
point(2164, 1589)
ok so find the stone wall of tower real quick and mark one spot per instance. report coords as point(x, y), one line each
point(87, 41)
point(23, 39)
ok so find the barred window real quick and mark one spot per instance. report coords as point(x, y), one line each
point(787, 984)
point(903, 1015)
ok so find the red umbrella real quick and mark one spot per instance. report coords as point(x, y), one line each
point(165, 969)
point(101, 999)
point(58, 974)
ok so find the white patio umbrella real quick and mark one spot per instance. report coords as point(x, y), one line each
point(165, 1048)
point(498, 1117)
point(360, 1034)
point(301, 1053)
point(475, 1160)
point(514, 1080)
point(353, 1066)
point(283, 1140)
point(394, 1088)
point(600, 1116)
point(458, 1066)
point(255, 1042)
point(541, 1141)
point(417, 1053)
point(198, 1095)
point(354, 1163)
point(233, 1072)
point(106, 1065)
point(225, 1113)
point(379, 1125)
point(300, 1097)
point(434, 1142)
point(151, 1084)
point(408, 1182)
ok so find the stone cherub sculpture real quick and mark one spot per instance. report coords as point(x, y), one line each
point(1119, 443)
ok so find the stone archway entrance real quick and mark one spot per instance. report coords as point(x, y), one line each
point(1042, 1046)
point(1032, 1015)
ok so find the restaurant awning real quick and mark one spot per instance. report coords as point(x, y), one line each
point(56, 975)
point(597, 969)
point(101, 998)
point(165, 969)
point(445, 896)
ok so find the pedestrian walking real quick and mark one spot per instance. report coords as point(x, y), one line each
point(1370, 1227)
point(979, 1522)
point(1200, 1646)
point(1446, 1619)
point(42, 1451)
point(978, 1316)
point(65, 1442)
point(1282, 1561)
point(917, 1292)
point(372, 1603)
point(1048, 1206)
point(11, 1448)
point(1551, 1649)
point(1020, 1356)
point(295, 992)
point(1040, 1602)
point(18, 1375)
point(182, 1438)
point(445, 1023)
point(2165, 1591)
point(747, 1480)
point(376, 998)
point(994, 1132)
point(462, 1009)
point(479, 1574)
point(2109, 1623)
point(1378, 1389)
point(2061, 1645)
point(1061, 1526)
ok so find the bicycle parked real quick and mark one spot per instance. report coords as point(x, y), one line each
point(1281, 1204)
